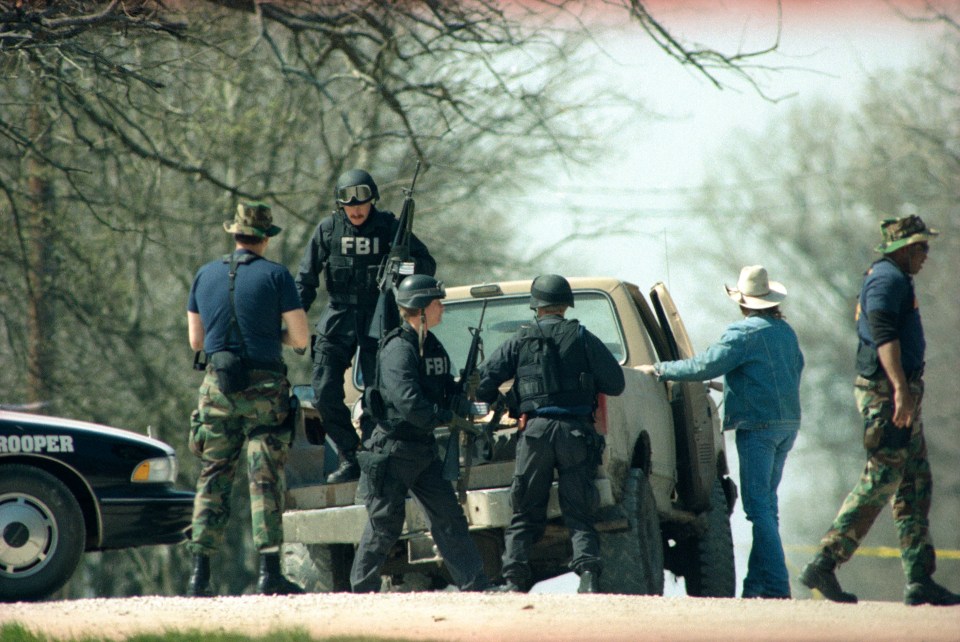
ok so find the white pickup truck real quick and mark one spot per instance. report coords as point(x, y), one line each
point(665, 492)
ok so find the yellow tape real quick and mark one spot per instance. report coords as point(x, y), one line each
point(876, 551)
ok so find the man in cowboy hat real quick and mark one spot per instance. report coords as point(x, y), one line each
point(889, 389)
point(760, 359)
point(234, 314)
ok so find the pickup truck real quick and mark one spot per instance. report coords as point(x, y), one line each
point(665, 490)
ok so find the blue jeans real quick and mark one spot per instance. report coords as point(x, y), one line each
point(762, 454)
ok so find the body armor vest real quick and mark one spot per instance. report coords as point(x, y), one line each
point(433, 370)
point(553, 369)
point(351, 272)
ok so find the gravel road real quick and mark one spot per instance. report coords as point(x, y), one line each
point(488, 618)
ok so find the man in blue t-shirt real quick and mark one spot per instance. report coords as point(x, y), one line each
point(242, 308)
point(889, 389)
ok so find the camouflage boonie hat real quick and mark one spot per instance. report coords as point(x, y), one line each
point(252, 219)
point(904, 231)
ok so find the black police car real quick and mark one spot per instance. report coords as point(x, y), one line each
point(69, 486)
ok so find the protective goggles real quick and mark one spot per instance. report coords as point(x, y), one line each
point(354, 194)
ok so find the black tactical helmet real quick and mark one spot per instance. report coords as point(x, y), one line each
point(550, 289)
point(354, 187)
point(418, 290)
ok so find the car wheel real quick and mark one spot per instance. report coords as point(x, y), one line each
point(633, 559)
point(708, 565)
point(42, 533)
point(323, 568)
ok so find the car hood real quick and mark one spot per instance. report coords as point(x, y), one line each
point(24, 419)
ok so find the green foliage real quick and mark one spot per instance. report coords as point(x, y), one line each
point(127, 139)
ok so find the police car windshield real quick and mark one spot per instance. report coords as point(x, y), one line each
point(505, 315)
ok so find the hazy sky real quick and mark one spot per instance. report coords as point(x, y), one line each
point(825, 50)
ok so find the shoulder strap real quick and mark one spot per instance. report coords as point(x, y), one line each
point(235, 261)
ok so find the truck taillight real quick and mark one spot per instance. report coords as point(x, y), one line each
point(600, 422)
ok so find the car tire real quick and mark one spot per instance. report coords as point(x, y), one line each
point(708, 564)
point(42, 533)
point(319, 568)
point(633, 559)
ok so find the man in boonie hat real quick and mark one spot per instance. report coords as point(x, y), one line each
point(761, 362)
point(252, 219)
point(238, 306)
point(888, 389)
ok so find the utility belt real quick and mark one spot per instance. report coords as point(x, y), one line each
point(575, 413)
point(277, 367)
point(402, 431)
point(880, 377)
point(233, 371)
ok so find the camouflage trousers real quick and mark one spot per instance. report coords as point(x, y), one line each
point(897, 471)
point(221, 428)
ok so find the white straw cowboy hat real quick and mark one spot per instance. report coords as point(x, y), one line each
point(755, 290)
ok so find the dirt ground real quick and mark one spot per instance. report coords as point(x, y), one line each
point(488, 618)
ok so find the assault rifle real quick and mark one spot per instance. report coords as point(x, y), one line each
point(396, 265)
point(451, 461)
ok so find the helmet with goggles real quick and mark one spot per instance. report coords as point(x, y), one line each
point(355, 187)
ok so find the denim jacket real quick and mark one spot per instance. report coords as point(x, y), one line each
point(760, 358)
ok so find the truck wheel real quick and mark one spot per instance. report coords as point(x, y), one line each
point(319, 568)
point(633, 559)
point(42, 533)
point(708, 559)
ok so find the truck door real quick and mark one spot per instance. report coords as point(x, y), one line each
point(692, 411)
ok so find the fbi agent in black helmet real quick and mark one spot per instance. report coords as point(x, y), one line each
point(558, 367)
point(416, 390)
point(348, 247)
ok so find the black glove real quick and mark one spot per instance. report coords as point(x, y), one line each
point(460, 405)
point(465, 425)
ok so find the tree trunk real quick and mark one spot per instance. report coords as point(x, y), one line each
point(41, 265)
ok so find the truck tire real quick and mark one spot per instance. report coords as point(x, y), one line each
point(319, 568)
point(708, 559)
point(633, 559)
point(42, 532)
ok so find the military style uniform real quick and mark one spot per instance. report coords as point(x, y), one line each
point(416, 391)
point(558, 368)
point(897, 467)
point(896, 457)
point(349, 258)
point(224, 422)
point(236, 311)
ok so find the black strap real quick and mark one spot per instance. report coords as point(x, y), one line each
point(236, 259)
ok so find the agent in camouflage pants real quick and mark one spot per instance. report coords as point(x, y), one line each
point(219, 429)
point(897, 468)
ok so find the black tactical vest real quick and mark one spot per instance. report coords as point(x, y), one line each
point(351, 271)
point(553, 368)
point(433, 371)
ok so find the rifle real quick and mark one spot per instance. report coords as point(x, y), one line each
point(451, 460)
point(396, 265)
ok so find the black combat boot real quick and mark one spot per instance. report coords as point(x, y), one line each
point(926, 591)
point(272, 581)
point(199, 585)
point(589, 582)
point(348, 470)
point(509, 585)
point(819, 575)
